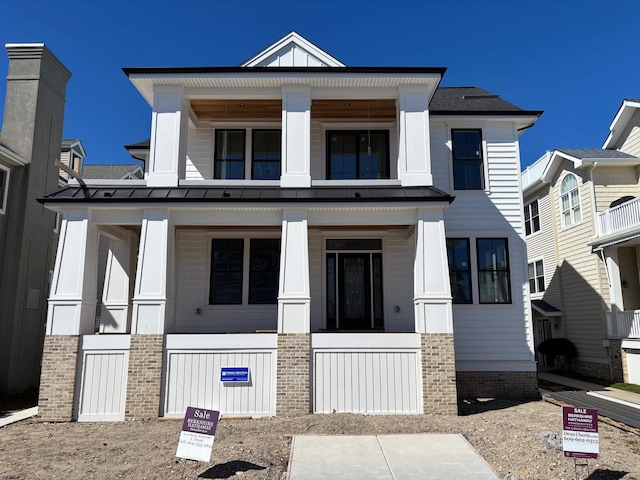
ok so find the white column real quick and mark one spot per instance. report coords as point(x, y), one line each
point(153, 299)
point(294, 297)
point(115, 316)
point(296, 136)
point(414, 144)
point(615, 282)
point(432, 295)
point(167, 158)
point(72, 303)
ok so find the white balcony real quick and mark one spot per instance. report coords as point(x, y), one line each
point(625, 324)
point(619, 218)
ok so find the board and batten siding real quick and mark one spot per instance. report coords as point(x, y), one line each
point(631, 143)
point(193, 366)
point(542, 245)
point(104, 360)
point(580, 277)
point(488, 337)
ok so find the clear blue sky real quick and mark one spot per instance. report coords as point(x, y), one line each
point(576, 60)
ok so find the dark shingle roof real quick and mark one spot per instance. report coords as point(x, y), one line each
point(139, 145)
point(594, 153)
point(544, 307)
point(473, 100)
point(66, 143)
point(112, 194)
point(110, 172)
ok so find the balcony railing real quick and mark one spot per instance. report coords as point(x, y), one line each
point(618, 218)
point(625, 324)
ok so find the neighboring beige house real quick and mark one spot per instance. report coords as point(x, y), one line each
point(581, 215)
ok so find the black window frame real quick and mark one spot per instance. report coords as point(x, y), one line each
point(458, 183)
point(217, 160)
point(537, 280)
point(494, 271)
point(213, 284)
point(253, 152)
point(275, 252)
point(531, 221)
point(357, 133)
point(454, 270)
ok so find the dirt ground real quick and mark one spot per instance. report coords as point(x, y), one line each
point(519, 441)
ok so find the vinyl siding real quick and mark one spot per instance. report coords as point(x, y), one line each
point(199, 154)
point(631, 144)
point(611, 183)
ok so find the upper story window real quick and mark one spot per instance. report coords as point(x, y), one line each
point(494, 284)
point(468, 169)
point(231, 149)
point(531, 218)
point(570, 200)
point(536, 276)
point(4, 189)
point(459, 269)
point(357, 154)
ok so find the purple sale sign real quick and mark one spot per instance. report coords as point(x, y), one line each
point(580, 432)
point(198, 431)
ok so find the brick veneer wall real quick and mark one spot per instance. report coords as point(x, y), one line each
point(516, 385)
point(58, 378)
point(144, 382)
point(592, 369)
point(617, 357)
point(293, 390)
point(438, 374)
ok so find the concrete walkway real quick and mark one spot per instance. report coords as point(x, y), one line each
point(18, 415)
point(606, 393)
point(387, 457)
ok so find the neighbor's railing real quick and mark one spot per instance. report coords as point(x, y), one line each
point(620, 217)
point(625, 324)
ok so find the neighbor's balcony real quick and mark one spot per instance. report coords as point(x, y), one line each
point(625, 324)
point(621, 217)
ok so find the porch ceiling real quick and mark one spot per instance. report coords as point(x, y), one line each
point(272, 109)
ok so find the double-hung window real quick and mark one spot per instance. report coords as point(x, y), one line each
point(494, 284)
point(531, 218)
point(468, 169)
point(357, 154)
point(229, 271)
point(4, 188)
point(570, 200)
point(536, 276)
point(459, 269)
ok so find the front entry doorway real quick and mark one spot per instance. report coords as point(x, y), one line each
point(354, 284)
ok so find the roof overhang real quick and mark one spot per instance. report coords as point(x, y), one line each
point(522, 119)
point(545, 308)
point(214, 81)
point(619, 123)
point(10, 157)
point(558, 156)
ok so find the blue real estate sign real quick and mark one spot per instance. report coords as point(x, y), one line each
point(234, 374)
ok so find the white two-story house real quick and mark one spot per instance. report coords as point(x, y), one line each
point(352, 237)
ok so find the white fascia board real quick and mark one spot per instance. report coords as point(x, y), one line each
point(520, 121)
point(619, 123)
point(11, 158)
point(554, 163)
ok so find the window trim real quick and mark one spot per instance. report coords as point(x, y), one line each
point(5, 194)
point(356, 131)
point(507, 270)
point(253, 152)
point(527, 207)
point(483, 163)
point(536, 292)
point(469, 271)
point(572, 208)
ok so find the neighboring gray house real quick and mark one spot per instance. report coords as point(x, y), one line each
point(582, 225)
point(30, 143)
point(125, 171)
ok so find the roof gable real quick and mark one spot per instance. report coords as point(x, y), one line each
point(620, 122)
point(292, 50)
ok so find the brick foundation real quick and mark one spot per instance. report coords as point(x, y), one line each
point(618, 358)
point(591, 369)
point(293, 389)
point(144, 382)
point(515, 385)
point(438, 374)
point(58, 379)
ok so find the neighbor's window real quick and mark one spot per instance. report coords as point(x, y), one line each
point(357, 154)
point(229, 271)
point(459, 269)
point(267, 151)
point(494, 284)
point(536, 277)
point(229, 154)
point(4, 188)
point(531, 218)
point(468, 170)
point(570, 200)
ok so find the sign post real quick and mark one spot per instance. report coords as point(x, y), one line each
point(198, 431)
point(580, 434)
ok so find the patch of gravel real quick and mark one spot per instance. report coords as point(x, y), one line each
point(519, 441)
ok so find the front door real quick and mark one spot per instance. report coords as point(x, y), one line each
point(354, 290)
